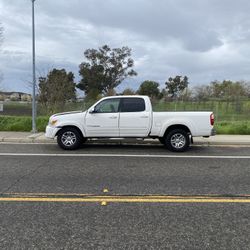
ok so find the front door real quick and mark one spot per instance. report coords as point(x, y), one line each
point(103, 122)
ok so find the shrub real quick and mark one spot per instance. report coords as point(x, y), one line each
point(22, 123)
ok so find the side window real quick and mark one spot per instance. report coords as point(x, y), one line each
point(132, 105)
point(108, 106)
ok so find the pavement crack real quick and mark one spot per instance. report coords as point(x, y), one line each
point(23, 177)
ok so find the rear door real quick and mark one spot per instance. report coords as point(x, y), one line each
point(134, 119)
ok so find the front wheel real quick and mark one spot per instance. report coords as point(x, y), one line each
point(69, 138)
point(177, 140)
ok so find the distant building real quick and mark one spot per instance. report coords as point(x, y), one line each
point(15, 96)
point(26, 97)
point(2, 97)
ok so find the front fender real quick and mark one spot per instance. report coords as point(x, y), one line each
point(72, 124)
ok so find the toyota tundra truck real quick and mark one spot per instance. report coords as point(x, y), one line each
point(129, 117)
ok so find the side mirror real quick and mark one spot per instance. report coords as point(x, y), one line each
point(92, 110)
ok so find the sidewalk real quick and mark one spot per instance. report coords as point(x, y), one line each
point(26, 137)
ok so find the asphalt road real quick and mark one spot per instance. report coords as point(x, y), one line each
point(59, 219)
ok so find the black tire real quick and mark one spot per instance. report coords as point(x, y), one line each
point(69, 138)
point(177, 140)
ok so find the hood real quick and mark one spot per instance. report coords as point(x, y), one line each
point(68, 113)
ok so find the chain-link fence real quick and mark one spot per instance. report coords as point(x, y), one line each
point(15, 108)
point(224, 110)
point(236, 110)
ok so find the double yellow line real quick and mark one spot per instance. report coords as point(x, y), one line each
point(104, 199)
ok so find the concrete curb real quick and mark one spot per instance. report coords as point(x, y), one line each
point(22, 137)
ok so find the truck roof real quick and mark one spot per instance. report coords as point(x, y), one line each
point(125, 96)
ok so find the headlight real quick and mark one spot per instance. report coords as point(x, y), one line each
point(53, 122)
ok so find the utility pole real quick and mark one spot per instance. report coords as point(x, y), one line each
point(34, 70)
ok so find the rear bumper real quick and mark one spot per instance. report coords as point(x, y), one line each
point(213, 132)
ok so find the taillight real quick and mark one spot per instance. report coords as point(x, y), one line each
point(212, 119)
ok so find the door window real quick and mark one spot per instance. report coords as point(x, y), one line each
point(108, 106)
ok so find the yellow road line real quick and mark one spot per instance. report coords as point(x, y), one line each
point(120, 199)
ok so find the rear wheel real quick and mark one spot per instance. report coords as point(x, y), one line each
point(177, 140)
point(69, 138)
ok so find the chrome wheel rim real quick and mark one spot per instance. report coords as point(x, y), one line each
point(68, 138)
point(178, 140)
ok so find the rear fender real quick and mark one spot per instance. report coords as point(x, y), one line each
point(173, 122)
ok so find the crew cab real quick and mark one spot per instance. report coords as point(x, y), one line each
point(129, 117)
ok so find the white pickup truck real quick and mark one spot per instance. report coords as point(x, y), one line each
point(129, 117)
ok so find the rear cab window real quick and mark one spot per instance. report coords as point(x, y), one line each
point(135, 104)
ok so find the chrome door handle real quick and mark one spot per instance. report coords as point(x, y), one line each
point(113, 117)
point(144, 116)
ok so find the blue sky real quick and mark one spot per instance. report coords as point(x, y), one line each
point(205, 39)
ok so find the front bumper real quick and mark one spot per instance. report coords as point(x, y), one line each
point(51, 132)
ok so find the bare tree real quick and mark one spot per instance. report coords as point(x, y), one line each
point(202, 92)
point(40, 73)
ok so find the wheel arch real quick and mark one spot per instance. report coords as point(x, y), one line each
point(71, 126)
point(177, 126)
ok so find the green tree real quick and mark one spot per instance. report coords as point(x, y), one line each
point(104, 70)
point(128, 91)
point(175, 86)
point(228, 89)
point(163, 94)
point(149, 88)
point(56, 89)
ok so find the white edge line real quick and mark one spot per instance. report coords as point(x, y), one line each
point(28, 143)
point(130, 155)
point(196, 144)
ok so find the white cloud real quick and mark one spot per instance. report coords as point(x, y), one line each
point(205, 40)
